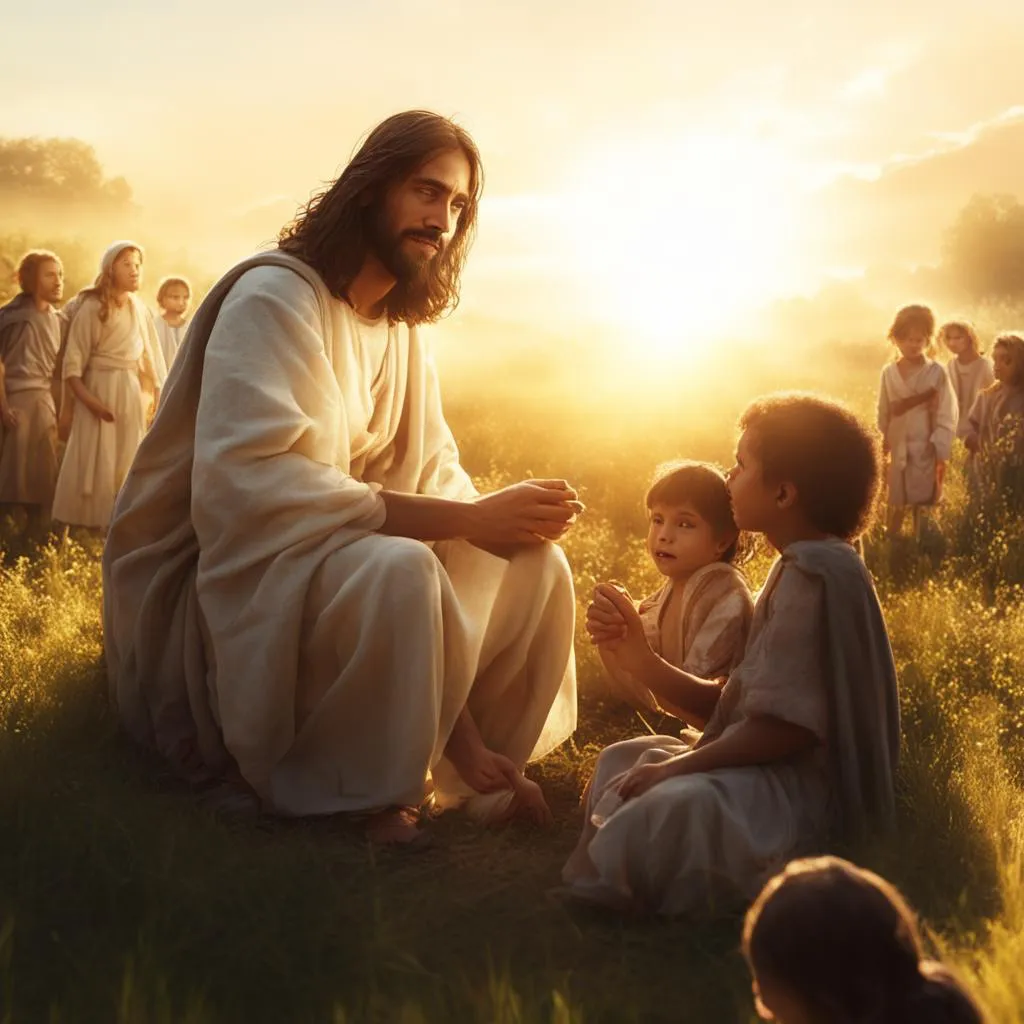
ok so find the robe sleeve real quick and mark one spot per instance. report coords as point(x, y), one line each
point(787, 681)
point(82, 337)
point(720, 640)
point(153, 355)
point(271, 430)
point(884, 413)
point(442, 474)
point(946, 416)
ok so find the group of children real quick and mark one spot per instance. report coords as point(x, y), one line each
point(89, 375)
point(923, 408)
point(789, 712)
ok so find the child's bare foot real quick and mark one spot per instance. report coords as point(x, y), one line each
point(396, 826)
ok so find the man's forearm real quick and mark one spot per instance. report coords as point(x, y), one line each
point(425, 517)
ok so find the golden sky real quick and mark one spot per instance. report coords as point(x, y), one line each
point(718, 153)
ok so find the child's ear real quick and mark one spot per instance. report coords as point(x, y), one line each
point(785, 495)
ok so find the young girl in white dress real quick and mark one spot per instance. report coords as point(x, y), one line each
point(699, 619)
point(804, 737)
point(970, 370)
point(114, 369)
point(173, 297)
point(917, 415)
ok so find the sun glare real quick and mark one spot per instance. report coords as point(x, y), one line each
point(679, 240)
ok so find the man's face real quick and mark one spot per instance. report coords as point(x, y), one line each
point(420, 215)
point(49, 282)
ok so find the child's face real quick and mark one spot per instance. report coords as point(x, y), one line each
point(1002, 364)
point(681, 540)
point(754, 505)
point(176, 299)
point(957, 341)
point(913, 344)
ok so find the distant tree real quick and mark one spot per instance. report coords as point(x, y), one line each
point(983, 253)
point(56, 169)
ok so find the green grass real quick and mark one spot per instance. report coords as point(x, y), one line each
point(123, 896)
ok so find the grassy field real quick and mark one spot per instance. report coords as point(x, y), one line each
point(123, 897)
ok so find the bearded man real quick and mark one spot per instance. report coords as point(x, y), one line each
point(303, 589)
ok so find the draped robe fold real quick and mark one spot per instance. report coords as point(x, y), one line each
point(29, 343)
point(254, 616)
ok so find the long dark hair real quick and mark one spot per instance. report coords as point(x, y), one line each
point(845, 944)
point(333, 231)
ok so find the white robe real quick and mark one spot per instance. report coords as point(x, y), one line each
point(29, 343)
point(253, 614)
point(919, 437)
point(818, 656)
point(170, 338)
point(114, 360)
point(968, 382)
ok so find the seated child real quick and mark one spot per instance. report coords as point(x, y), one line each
point(830, 943)
point(804, 736)
point(173, 297)
point(917, 415)
point(699, 619)
point(996, 421)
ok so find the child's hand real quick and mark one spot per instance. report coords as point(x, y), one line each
point(642, 778)
point(632, 651)
point(604, 621)
point(973, 443)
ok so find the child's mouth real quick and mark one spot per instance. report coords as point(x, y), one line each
point(662, 555)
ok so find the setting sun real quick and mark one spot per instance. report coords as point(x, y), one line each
point(678, 239)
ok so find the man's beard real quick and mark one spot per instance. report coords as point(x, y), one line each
point(407, 269)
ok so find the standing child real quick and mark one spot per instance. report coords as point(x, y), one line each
point(29, 344)
point(917, 414)
point(970, 370)
point(996, 421)
point(830, 943)
point(112, 362)
point(173, 297)
point(804, 736)
point(698, 621)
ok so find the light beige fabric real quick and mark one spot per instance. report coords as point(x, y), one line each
point(968, 382)
point(29, 343)
point(170, 338)
point(253, 614)
point(997, 420)
point(704, 633)
point(818, 656)
point(918, 437)
point(117, 361)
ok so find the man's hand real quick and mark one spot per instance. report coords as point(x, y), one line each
point(9, 417)
point(487, 772)
point(101, 412)
point(525, 513)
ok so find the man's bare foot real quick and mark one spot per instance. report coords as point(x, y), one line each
point(396, 826)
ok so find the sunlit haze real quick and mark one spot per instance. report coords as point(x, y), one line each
point(656, 171)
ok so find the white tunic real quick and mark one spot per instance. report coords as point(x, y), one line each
point(968, 381)
point(113, 359)
point(170, 338)
point(253, 614)
point(919, 437)
point(818, 657)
